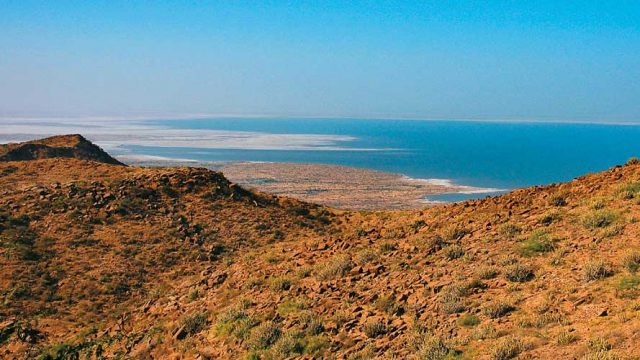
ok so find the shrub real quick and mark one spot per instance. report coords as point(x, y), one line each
point(484, 332)
point(598, 218)
point(288, 344)
point(454, 232)
point(388, 304)
point(631, 261)
point(518, 273)
point(311, 323)
point(336, 267)
point(633, 161)
point(453, 252)
point(374, 328)
point(595, 270)
point(264, 335)
point(451, 299)
point(314, 345)
point(235, 321)
point(487, 272)
point(509, 230)
point(538, 242)
point(195, 323)
point(432, 348)
point(291, 306)
point(468, 320)
point(366, 256)
point(497, 309)
point(598, 344)
point(387, 247)
point(565, 338)
point(557, 200)
point(629, 286)
point(507, 348)
point(280, 283)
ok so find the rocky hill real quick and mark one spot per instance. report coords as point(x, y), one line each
point(64, 146)
point(106, 261)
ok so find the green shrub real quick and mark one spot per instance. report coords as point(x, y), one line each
point(539, 241)
point(311, 323)
point(236, 322)
point(468, 320)
point(599, 218)
point(195, 323)
point(366, 256)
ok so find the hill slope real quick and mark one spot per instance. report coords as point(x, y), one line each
point(63, 146)
point(151, 263)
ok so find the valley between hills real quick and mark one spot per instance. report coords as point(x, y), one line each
point(101, 260)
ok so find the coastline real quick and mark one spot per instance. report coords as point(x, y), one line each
point(340, 187)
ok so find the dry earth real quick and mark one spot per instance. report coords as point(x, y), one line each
point(108, 261)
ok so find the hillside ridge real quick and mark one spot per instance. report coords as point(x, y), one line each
point(106, 261)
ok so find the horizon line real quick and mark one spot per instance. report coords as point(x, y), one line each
point(204, 116)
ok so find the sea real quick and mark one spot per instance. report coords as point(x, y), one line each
point(492, 155)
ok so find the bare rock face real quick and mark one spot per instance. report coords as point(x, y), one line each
point(63, 146)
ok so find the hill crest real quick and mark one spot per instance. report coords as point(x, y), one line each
point(61, 146)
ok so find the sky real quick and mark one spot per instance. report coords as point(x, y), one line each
point(532, 60)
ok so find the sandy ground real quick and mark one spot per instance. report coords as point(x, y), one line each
point(336, 186)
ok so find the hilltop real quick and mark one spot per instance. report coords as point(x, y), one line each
point(133, 262)
point(63, 146)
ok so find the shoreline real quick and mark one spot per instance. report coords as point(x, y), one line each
point(337, 186)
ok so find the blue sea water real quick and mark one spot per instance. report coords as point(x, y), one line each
point(502, 155)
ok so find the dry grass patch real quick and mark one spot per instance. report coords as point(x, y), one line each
point(334, 268)
point(518, 273)
point(595, 270)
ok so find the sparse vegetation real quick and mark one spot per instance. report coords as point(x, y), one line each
point(336, 267)
point(487, 272)
point(599, 218)
point(596, 269)
point(497, 309)
point(468, 320)
point(518, 273)
point(453, 252)
point(540, 241)
point(631, 261)
point(507, 348)
point(264, 335)
point(374, 328)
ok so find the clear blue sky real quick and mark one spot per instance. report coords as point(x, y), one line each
point(562, 60)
